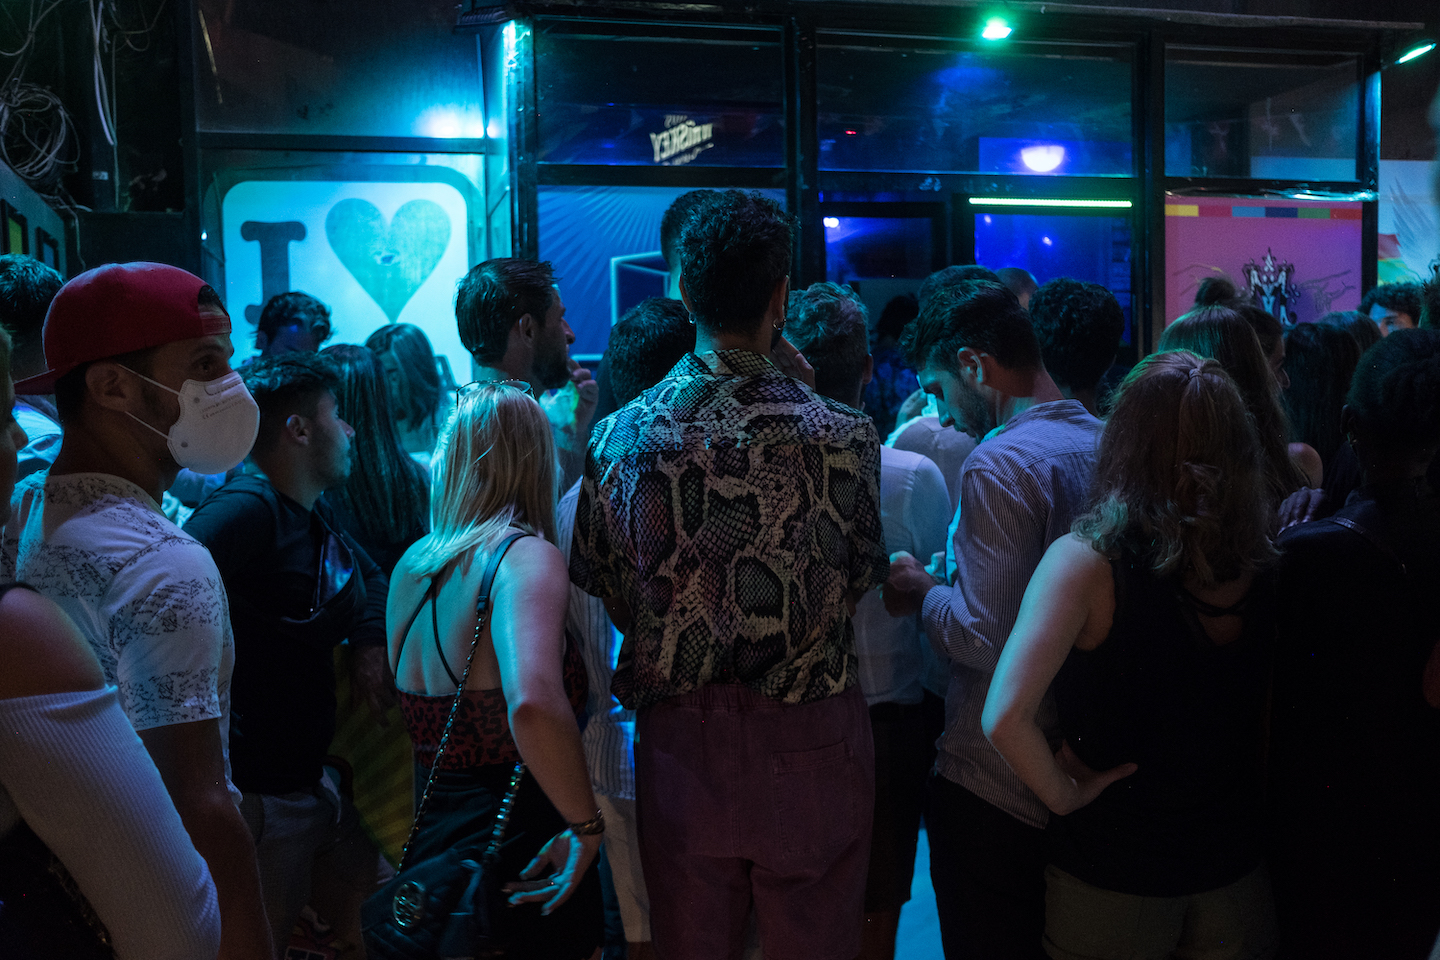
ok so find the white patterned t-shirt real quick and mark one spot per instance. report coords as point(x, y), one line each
point(146, 595)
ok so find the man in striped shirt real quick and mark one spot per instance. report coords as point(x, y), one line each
point(1028, 478)
point(649, 340)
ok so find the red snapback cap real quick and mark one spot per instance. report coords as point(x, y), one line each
point(116, 309)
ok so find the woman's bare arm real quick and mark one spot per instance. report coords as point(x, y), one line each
point(1058, 608)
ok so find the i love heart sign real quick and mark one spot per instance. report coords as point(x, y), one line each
point(375, 252)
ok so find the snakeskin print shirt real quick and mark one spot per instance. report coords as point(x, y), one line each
point(732, 508)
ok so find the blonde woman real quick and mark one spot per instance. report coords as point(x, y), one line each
point(493, 475)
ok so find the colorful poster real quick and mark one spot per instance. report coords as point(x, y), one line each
point(1409, 224)
point(1298, 259)
point(376, 252)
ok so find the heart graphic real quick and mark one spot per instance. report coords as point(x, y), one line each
point(389, 263)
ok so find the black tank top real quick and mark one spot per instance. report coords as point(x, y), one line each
point(1158, 692)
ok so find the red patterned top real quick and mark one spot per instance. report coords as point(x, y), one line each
point(481, 734)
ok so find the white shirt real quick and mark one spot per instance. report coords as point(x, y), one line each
point(72, 767)
point(147, 596)
point(946, 446)
point(914, 512)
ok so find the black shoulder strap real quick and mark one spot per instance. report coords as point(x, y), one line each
point(482, 600)
point(482, 604)
point(1374, 541)
point(410, 623)
point(482, 607)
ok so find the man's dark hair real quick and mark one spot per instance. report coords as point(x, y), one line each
point(1079, 326)
point(26, 288)
point(284, 386)
point(294, 309)
point(1395, 393)
point(649, 340)
point(734, 249)
point(1401, 297)
point(897, 312)
point(828, 324)
point(949, 276)
point(674, 219)
point(982, 315)
point(1019, 281)
point(496, 293)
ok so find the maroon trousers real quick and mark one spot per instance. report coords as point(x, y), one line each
point(744, 800)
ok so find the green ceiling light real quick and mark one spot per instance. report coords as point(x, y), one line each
point(1416, 51)
point(1036, 202)
point(996, 28)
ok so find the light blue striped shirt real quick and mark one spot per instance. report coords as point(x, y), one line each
point(1020, 490)
point(609, 737)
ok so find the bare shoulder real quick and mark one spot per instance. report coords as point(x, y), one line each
point(532, 559)
point(45, 651)
point(1078, 555)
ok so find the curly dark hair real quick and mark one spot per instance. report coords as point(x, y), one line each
point(1429, 317)
point(1401, 297)
point(284, 386)
point(649, 340)
point(1079, 326)
point(26, 288)
point(294, 309)
point(828, 324)
point(949, 276)
point(496, 293)
point(982, 315)
point(734, 248)
point(1395, 394)
point(1320, 359)
point(674, 219)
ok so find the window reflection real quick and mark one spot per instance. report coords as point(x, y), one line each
point(1267, 115)
point(1034, 109)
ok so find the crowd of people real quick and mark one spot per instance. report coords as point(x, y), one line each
point(710, 634)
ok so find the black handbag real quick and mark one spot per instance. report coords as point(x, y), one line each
point(449, 906)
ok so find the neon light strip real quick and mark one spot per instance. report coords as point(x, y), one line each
point(1027, 202)
point(1417, 52)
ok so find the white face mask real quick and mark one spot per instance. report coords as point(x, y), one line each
point(218, 423)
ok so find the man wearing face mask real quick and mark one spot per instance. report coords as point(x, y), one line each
point(138, 358)
point(512, 321)
point(297, 588)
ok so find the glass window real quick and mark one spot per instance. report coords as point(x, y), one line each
point(1298, 259)
point(857, 248)
point(1031, 109)
point(326, 72)
point(1051, 245)
point(694, 98)
point(591, 234)
point(1267, 115)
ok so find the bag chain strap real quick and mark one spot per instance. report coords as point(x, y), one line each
point(502, 818)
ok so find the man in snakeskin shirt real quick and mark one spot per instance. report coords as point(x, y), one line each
point(730, 518)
